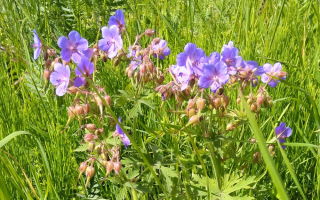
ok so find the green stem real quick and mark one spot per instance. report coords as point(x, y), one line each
point(216, 165)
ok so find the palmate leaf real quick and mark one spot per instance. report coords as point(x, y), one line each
point(232, 183)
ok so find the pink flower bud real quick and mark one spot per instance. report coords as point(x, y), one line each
point(90, 171)
point(260, 99)
point(195, 119)
point(231, 126)
point(78, 110)
point(90, 127)
point(73, 90)
point(109, 166)
point(191, 103)
point(46, 74)
point(89, 137)
point(108, 100)
point(86, 108)
point(201, 103)
point(91, 146)
point(71, 112)
point(149, 32)
point(117, 167)
point(83, 167)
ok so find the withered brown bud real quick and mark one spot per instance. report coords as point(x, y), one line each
point(256, 157)
point(51, 52)
point(71, 112)
point(191, 104)
point(254, 107)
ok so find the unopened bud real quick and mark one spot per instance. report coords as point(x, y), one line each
point(98, 149)
point(71, 112)
point(201, 103)
point(225, 101)
point(149, 32)
point(191, 104)
point(98, 100)
point(90, 171)
point(256, 157)
point(117, 167)
point(271, 149)
point(191, 112)
point(195, 119)
point(109, 166)
point(86, 108)
point(73, 90)
point(260, 99)
point(83, 167)
point(216, 102)
point(253, 140)
point(254, 107)
point(99, 130)
point(91, 146)
point(78, 110)
point(238, 100)
point(231, 126)
point(51, 52)
point(89, 137)
point(108, 100)
point(90, 127)
point(46, 74)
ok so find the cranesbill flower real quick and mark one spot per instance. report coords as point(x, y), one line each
point(119, 132)
point(214, 58)
point(282, 132)
point(230, 55)
point(182, 75)
point(192, 58)
point(160, 48)
point(111, 42)
point(272, 74)
point(214, 76)
point(36, 45)
point(250, 70)
point(117, 20)
point(73, 47)
point(60, 78)
point(84, 69)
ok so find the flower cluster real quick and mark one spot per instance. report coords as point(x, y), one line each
point(72, 73)
point(142, 66)
point(199, 84)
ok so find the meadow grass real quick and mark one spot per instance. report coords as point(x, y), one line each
point(166, 160)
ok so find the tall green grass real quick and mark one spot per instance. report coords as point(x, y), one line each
point(44, 165)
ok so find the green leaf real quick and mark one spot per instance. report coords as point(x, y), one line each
point(7, 139)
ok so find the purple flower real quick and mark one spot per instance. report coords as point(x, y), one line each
point(230, 55)
point(160, 48)
point(192, 58)
point(214, 76)
point(272, 74)
point(60, 78)
point(119, 132)
point(73, 47)
point(111, 42)
point(213, 58)
point(36, 45)
point(282, 132)
point(84, 69)
point(250, 70)
point(117, 20)
point(182, 75)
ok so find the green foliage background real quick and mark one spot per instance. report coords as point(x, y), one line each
point(43, 164)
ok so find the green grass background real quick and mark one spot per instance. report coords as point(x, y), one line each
point(44, 164)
